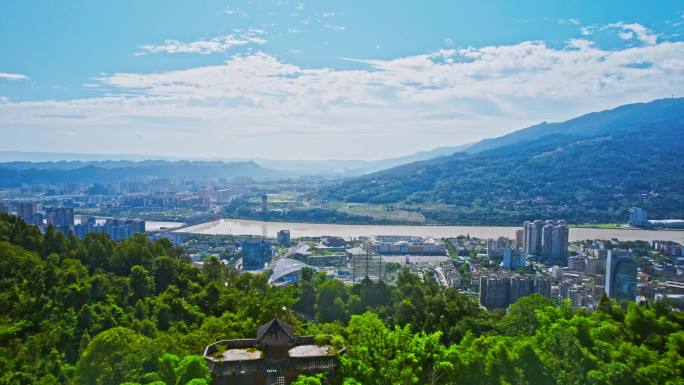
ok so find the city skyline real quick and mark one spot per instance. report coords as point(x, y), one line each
point(299, 80)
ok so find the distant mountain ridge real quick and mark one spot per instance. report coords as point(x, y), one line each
point(588, 169)
point(89, 173)
point(333, 167)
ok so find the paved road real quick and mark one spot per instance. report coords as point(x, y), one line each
point(286, 254)
point(440, 276)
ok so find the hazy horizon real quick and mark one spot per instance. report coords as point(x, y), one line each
point(51, 156)
point(310, 81)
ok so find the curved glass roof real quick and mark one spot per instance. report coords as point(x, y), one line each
point(287, 266)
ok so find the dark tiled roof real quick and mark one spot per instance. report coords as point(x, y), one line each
point(275, 332)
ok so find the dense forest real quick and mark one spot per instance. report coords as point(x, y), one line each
point(99, 312)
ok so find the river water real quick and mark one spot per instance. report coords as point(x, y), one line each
point(149, 225)
point(269, 229)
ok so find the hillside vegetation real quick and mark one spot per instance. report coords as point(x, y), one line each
point(136, 312)
point(588, 170)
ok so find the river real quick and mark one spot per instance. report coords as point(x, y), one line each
point(269, 229)
point(149, 225)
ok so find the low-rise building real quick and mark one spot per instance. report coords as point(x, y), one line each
point(275, 356)
point(401, 245)
point(287, 271)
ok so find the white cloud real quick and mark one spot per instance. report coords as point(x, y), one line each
point(448, 96)
point(573, 21)
point(628, 31)
point(213, 45)
point(586, 31)
point(10, 76)
point(336, 28)
point(235, 11)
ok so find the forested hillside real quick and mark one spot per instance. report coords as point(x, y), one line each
point(136, 312)
point(592, 179)
point(592, 124)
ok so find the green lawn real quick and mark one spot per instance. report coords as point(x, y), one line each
point(382, 212)
point(599, 226)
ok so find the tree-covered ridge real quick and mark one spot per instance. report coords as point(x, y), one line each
point(68, 304)
point(585, 180)
point(136, 312)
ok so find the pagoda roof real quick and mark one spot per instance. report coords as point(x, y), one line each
point(276, 332)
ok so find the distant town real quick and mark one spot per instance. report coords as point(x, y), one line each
point(495, 271)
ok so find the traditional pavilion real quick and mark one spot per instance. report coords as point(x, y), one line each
point(275, 356)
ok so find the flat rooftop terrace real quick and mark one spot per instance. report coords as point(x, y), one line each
point(240, 355)
point(249, 354)
point(310, 351)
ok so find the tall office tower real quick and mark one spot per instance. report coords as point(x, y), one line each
point(637, 217)
point(38, 219)
point(264, 203)
point(501, 292)
point(495, 293)
point(4, 208)
point(577, 263)
point(134, 226)
point(547, 240)
point(255, 254)
point(60, 216)
point(555, 242)
point(533, 237)
point(561, 238)
point(542, 286)
point(495, 247)
point(25, 211)
point(283, 237)
point(596, 266)
point(526, 236)
point(519, 239)
point(117, 229)
point(88, 225)
point(621, 275)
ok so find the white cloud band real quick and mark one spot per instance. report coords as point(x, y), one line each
point(11, 76)
point(206, 46)
point(445, 97)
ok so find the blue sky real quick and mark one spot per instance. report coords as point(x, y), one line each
point(317, 80)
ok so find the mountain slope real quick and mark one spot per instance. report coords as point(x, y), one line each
point(593, 175)
point(592, 124)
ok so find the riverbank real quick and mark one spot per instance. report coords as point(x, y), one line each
point(301, 229)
